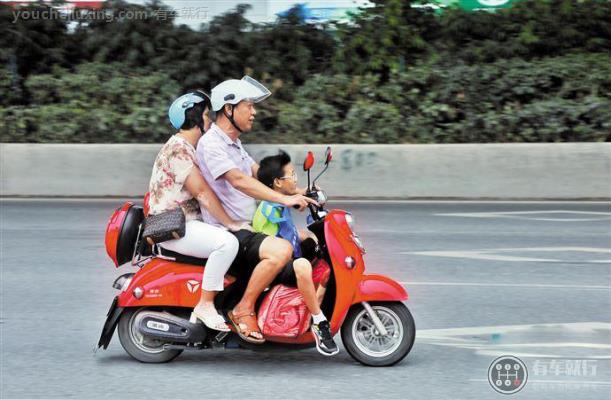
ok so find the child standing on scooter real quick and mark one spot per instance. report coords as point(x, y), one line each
point(275, 219)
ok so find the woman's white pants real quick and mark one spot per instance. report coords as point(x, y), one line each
point(207, 241)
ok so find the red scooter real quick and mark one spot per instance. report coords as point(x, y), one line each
point(151, 312)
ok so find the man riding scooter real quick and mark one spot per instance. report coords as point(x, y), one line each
point(151, 312)
point(230, 172)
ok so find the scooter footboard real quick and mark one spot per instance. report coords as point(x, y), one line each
point(379, 288)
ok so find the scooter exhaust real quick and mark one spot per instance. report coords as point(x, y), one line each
point(169, 328)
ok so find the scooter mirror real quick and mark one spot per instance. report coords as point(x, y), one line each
point(309, 161)
point(328, 156)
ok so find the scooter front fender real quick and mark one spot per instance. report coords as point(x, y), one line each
point(379, 288)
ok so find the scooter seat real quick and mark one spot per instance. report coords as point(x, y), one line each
point(181, 258)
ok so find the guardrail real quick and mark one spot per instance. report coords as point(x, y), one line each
point(445, 171)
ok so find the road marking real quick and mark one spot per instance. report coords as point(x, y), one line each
point(509, 285)
point(490, 254)
point(527, 215)
point(582, 327)
point(569, 382)
point(590, 339)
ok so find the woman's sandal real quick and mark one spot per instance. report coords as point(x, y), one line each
point(213, 321)
point(245, 329)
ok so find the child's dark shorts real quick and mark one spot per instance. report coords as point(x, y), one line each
point(287, 275)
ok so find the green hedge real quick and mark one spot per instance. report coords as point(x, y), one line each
point(539, 71)
point(97, 103)
point(550, 100)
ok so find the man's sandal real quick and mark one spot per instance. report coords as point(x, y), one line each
point(246, 325)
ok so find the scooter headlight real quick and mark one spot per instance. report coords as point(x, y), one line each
point(355, 238)
point(321, 198)
point(350, 221)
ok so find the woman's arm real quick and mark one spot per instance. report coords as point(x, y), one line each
point(199, 188)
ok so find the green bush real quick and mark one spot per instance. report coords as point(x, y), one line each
point(97, 103)
point(540, 71)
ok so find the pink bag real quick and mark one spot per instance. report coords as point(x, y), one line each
point(283, 313)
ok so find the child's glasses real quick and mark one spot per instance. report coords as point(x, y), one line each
point(293, 176)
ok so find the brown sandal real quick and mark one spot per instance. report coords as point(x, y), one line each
point(244, 327)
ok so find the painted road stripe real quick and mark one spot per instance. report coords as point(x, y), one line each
point(531, 215)
point(483, 330)
point(567, 382)
point(509, 285)
point(491, 254)
point(532, 340)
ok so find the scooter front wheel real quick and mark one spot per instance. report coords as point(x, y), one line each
point(367, 345)
point(138, 346)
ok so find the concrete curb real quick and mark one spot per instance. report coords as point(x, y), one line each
point(521, 171)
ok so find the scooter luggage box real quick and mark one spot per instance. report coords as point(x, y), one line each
point(122, 232)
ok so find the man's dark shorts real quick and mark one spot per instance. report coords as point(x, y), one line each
point(248, 258)
point(248, 253)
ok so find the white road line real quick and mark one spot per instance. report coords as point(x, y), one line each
point(532, 340)
point(528, 215)
point(567, 382)
point(520, 285)
point(490, 254)
point(485, 330)
point(485, 213)
point(479, 255)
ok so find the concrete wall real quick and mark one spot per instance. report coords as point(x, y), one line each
point(470, 171)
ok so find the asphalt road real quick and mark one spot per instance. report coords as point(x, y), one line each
point(532, 280)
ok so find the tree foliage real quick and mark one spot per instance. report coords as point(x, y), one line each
point(538, 71)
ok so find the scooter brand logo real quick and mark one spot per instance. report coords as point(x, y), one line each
point(192, 286)
point(507, 374)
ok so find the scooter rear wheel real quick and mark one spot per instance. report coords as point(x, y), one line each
point(367, 346)
point(139, 346)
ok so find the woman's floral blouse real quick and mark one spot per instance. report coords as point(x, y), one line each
point(172, 166)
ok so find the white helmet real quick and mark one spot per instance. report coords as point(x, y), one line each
point(233, 91)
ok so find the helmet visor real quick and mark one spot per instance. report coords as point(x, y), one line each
point(257, 92)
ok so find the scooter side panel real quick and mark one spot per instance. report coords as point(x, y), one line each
point(379, 288)
point(340, 246)
point(165, 283)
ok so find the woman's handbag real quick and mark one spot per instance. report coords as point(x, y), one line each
point(165, 226)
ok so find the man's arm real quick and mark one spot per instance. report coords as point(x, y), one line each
point(199, 188)
point(253, 188)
